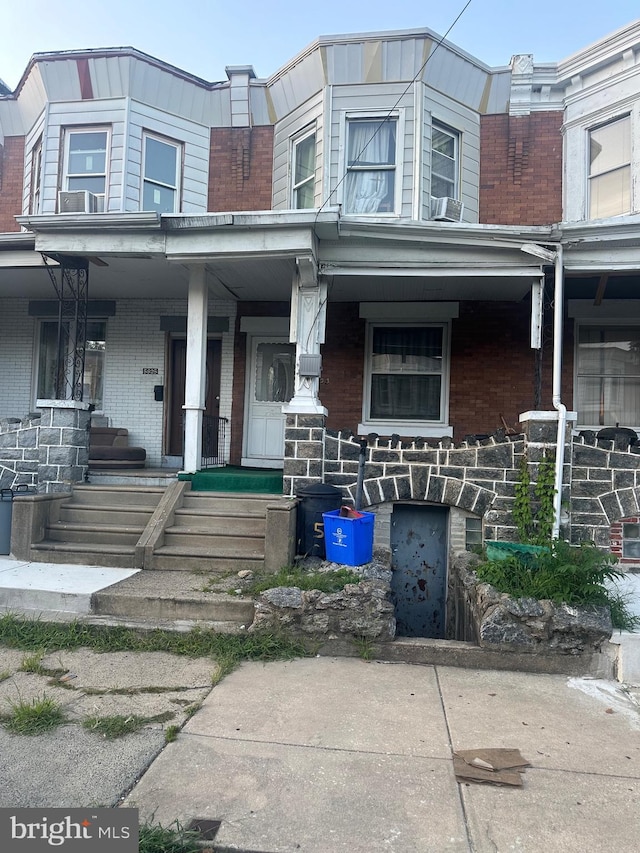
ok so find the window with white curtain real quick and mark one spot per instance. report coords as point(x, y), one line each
point(371, 166)
point(304, 172)
point(610, 169)
point(406, 373)
point(608, 375)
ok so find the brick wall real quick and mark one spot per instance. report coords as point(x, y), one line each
point(240, 168)
point(492, 367)
point(11, 180)
point(521, 169)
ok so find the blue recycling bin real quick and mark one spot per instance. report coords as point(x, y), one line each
point(348, 540)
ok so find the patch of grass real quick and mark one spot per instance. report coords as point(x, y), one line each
point(21, 633)
point(566, 574)
point(171, 733)
point(364, 645)
point(171, 839)
point(4, 675)
point(119, 725)
point(332, 581)
point(33, 663)
point(34, 717)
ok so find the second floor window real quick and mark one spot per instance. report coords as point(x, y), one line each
point(161, 175)
point(304, 172)
point(36, 176)
point(371, 166)
point(85, 165)
point(610, 169)
point(444, 162)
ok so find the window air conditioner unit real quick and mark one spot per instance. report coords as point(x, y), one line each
point(447, 209)
point(78, 201)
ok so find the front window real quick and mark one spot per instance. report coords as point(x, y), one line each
point(608, 376)
point(85, 165)
point(610, 169)
point(444, 162)
point(161, 176)
point(49, 368)
point(371, 166)
point(304, 172)
point(406, 379)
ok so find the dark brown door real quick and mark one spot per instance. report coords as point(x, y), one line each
point(178, 368)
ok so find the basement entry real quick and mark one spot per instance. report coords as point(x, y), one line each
point(419, 565)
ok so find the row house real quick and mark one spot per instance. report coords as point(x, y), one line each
point(386, 238)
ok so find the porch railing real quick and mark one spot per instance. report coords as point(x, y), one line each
point(214, 434)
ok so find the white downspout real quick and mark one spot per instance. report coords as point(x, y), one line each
point(558, 312)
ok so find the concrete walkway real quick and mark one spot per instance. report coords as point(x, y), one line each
point(329, 755)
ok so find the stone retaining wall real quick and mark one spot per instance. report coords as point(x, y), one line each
point(497, 621)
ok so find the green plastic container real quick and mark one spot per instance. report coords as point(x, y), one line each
point(502, 550)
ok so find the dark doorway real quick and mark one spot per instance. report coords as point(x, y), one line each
point(178, 367)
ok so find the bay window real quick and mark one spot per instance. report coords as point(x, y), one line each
point(370, 166)
point(608, 375)
point(162, 161)
point(304, 172)
point(445, 144)
point(85, 162)
point(610, 169)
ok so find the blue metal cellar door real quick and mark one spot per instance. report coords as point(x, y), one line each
point(419, 563)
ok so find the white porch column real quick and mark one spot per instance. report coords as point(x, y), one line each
point(307, 328)
point(194, 402)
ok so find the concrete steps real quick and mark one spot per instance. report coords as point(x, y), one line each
point(215, 532)
point(98, 526)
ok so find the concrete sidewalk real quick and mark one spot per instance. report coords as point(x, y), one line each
point(329, 755)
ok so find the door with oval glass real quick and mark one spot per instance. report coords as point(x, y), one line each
point(270, 383)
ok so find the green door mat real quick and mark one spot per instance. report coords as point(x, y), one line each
point(235, 479)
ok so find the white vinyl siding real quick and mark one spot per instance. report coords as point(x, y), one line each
point(291, 128)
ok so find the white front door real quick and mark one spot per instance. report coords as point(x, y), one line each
point(270, 383)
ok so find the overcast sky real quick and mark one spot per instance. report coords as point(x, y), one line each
point(203, 36)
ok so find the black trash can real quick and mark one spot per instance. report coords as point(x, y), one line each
point(314, 500)
point(6, 514)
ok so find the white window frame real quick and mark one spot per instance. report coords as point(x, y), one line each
point(587, 322)
point(177, 189)
point(423, 428)
point(628, 165)
point(347, 117)
point(297, 140)
point(35, 188)
point(457, 138)
point(70, 131)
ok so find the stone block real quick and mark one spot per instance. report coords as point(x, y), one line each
point(9, 439)
point(310, 450)
point(27, 438)
point(498, 456)
point(349, 450)
point(403, 487)
point(388, 488)
point(419, 481)
point(427, 456)
point(435, 491)
point(385, 455)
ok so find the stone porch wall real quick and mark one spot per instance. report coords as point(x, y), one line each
point(48, 451)
point(601, 479)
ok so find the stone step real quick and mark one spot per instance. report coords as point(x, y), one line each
point(169, 558)
point(228, 504)
point(216, 543)
point(83, 554)
point(171, 596)
point(117, 495)
point(245, 525)
point(94, 514)
point(96, 534)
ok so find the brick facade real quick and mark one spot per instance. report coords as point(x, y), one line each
point(11, 182)
point(521, 169)
point(240, 168)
